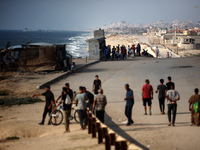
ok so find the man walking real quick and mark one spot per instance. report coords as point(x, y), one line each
point(161, 90)
point(172, 97)
point(49, 98)
point(90, 98)
point(96, 85)
point(129, 104)
point(157, 52)
point(170, 83)
point(147, 96)
point(195, 100)
point(99, 104)
point(80, 101)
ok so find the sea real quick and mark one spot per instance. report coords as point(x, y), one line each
point(75, 41)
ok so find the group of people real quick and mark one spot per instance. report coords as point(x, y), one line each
point(121, 52)
point(164, 92)
point(83, 99)
point(97, 102)
point(157, 52)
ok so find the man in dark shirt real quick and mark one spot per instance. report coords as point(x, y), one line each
point(170, 83)
point(96, 85)
point(66, 106)
point(161, 90)
point(69, 92)
point(129, 104)
point(90, 98)
point(49, 97)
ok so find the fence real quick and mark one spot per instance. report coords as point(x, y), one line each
point(107, 136)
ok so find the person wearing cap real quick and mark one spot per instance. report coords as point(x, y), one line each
point(195, 119)
point(100, 102)
point(96, 85)
point(129, 104)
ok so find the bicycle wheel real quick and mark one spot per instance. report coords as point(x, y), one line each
point(57, 118)
point(76, 116)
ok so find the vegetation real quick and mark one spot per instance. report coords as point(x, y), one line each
point(19, 101)
point(4, 92)
point(12, 138)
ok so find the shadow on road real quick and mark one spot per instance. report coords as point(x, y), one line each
point(118, 130)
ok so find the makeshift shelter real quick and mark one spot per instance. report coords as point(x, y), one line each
point(36, 57)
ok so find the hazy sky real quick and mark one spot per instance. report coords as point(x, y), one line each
point(85, 14)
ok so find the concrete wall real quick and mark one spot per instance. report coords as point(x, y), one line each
point(188, 46)
point(98, 33)
point(94, 50)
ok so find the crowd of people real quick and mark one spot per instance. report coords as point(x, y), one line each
point(83, 100)
point(97, 102)
point(121, 52)
point(164, 92)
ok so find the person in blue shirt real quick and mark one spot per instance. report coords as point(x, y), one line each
point(106, 53)
point(129, 104)
point(138, 49)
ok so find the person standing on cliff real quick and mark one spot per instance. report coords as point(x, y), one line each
point(96, 85)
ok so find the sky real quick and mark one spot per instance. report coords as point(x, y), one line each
point(90, 14)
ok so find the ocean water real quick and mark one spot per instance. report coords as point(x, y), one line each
point(74, 40)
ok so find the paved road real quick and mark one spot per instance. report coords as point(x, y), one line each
point(151, 131)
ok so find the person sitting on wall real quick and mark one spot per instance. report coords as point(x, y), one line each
point(73, 66)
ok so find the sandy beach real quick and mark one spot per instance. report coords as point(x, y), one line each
point(115, 39)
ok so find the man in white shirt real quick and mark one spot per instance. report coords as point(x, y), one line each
point(80, 101)
point(157, 52)
point(172, 97)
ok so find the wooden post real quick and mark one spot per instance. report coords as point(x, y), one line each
point(89, 116)
point(113, 138)
point(100, 138)
point(89, 125)
point(124, 145)
point(107, 142)
point(94, 129)
point(118, 145)
point(105, 131)
point(98, 126)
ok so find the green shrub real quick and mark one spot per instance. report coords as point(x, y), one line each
point(4, 92)
point(12, 138)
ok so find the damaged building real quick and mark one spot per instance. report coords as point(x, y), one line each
point(35, 57)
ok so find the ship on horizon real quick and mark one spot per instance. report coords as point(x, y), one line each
point(30, 30)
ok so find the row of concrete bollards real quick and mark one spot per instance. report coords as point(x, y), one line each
point(110, 140)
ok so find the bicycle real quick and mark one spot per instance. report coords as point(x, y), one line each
point(56, 117)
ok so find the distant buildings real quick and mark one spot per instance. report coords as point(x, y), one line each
point(183, 38)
